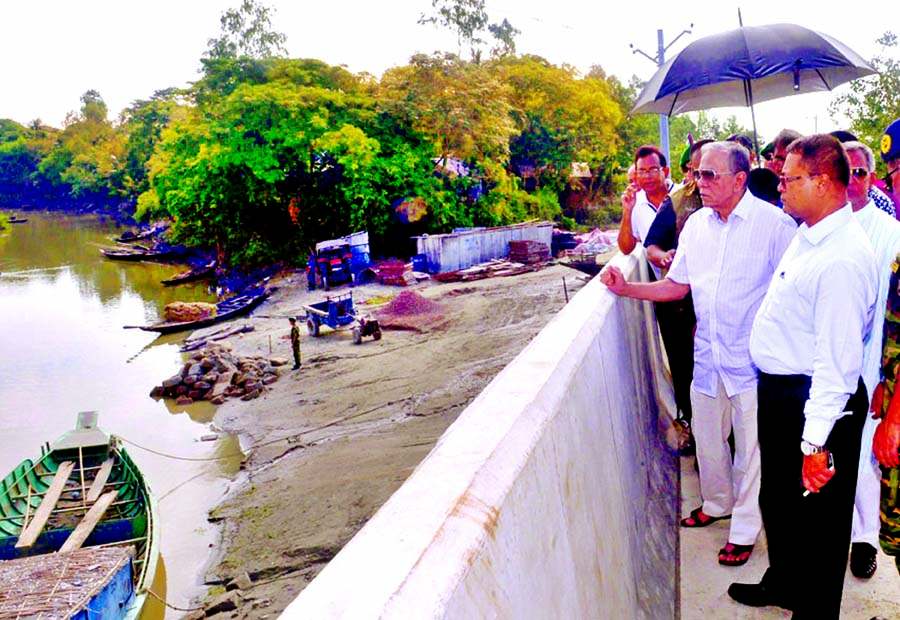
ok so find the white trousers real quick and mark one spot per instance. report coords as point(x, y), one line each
point(726, 487)
point(866, 507)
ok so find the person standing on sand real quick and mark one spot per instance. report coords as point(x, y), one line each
point(295, 343)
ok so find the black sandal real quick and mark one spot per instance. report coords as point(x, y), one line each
point(698, 518)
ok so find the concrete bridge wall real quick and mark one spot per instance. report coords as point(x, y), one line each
point(552, 496)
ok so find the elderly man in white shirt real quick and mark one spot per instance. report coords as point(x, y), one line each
point(726, 256)
point(883, 232)
point(807, 342)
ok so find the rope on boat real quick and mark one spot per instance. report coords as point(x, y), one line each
point(293, 437)
point(167, 604)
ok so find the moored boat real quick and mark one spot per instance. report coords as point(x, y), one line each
point(197, 273)
point(141, 254)
point(82, 494)
point(235, 306)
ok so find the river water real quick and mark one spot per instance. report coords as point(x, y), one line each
point(64, 350)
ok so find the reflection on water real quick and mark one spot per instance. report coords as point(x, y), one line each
point(63, 307)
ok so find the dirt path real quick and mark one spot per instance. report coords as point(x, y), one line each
point(362, 418)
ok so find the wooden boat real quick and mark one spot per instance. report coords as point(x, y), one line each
point(17, 220)
point(141, 254)
point(82, 494)
point(197, 273)
point(225, 310)
point(131, 237)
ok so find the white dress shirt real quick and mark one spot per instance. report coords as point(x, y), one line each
point(728, 266)
point(884, 233)
point(642, 216)
point(816, 315)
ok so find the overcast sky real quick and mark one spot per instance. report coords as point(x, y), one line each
point(52, 51)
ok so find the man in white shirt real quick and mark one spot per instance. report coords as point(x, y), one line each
point(642, 198)
point(883, 232)
point(726, 256)
point(807, 342)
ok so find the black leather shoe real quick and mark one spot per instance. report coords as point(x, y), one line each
point(755, 595)
point(863, 560)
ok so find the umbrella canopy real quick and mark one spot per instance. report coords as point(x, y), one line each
point(749, 65)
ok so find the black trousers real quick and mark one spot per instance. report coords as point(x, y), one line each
point(676, 327)
point(808, 537)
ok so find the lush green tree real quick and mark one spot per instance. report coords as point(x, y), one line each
point(247, 31)
point(873, 102)
point(88, 159)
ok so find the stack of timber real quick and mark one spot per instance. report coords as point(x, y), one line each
point(84, 491)
point(528, 252)
point(392, 273)
point(491, 269)
point(87, 583)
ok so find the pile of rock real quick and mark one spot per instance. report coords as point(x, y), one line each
point(215, 374)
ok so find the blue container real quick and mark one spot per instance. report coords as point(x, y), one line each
point(419, 262)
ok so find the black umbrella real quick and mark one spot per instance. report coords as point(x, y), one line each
point(749, 65)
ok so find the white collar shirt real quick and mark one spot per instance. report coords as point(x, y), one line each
point(642, 216)
point(816, 315)
point(728, 265)
point(883, 232)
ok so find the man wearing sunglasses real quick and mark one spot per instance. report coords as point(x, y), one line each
point(807, 344)
point(883, 231)
point(727, 253)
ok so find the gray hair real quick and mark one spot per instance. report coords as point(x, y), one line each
point(738, 156)
point(859, 146)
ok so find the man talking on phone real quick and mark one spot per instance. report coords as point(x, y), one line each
point(807, 342)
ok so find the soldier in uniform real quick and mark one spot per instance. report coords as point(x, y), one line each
point(295, 343)
point(887, 436)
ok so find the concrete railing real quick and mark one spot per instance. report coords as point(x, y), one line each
point(552, 496)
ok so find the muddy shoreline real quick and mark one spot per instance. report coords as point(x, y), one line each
point(328, 444)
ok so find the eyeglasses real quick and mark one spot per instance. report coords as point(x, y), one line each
point(778, 158)
point(710, 175)
point(889, 179)
point(783, 180)
point(860, 173)
point(645, 172)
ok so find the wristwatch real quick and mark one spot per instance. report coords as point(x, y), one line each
point(808, 449)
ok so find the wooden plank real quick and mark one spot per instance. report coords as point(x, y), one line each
point(87, 525)
point(100, 480)
point(31, 533)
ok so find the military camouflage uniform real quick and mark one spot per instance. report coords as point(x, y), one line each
point(890, 477)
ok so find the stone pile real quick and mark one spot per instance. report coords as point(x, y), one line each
point(215, 374)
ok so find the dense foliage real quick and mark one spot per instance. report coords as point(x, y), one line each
point(265, 155)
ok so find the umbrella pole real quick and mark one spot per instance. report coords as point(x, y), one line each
point(753, 117)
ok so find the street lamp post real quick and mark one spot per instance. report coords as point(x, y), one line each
point(660, 60)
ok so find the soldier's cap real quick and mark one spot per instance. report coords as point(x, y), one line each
point(766, 152)
point(890, 142)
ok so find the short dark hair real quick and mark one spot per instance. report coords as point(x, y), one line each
point(741, 139)
point(785, 137)
point(763, 183)
point(843, 136)
point(647, 150)
point(292, 319)
point(823, 154)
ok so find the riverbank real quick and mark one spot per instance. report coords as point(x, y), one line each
point(329, 443)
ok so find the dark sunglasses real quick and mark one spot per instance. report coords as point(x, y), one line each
point(889, 179)
point(860, 173)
